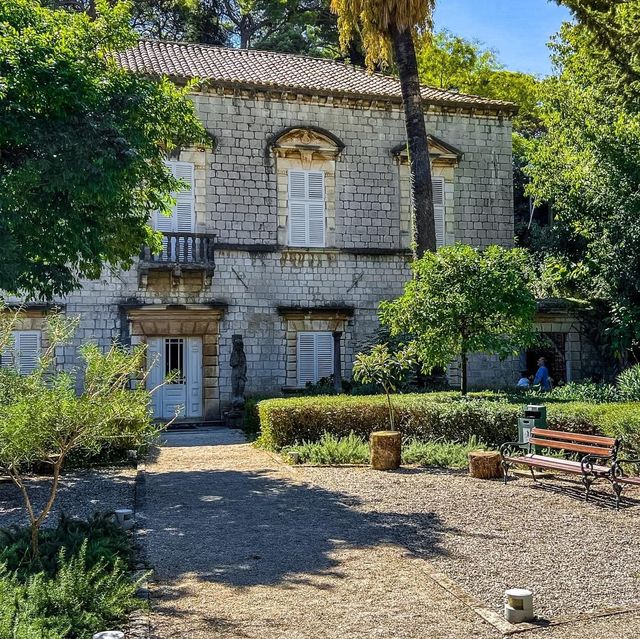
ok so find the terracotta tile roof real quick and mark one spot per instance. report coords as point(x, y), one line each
point(281, 71)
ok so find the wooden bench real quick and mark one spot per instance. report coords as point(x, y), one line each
point(598, 457)
point(621, 479)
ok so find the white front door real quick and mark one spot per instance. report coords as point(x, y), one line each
point(181, 359)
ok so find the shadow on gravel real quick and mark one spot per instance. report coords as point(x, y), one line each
point(248, 528)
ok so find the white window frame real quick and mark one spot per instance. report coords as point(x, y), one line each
point(307, 208)
point(320, 339)
point(13, 357)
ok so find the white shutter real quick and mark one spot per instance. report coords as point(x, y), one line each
point(315, 357)
point(194, 376)
point(24, 351)
point(306, 358)
point(324, 354)
point(306, 208)
point(156, 373)
point(439, 209)
point(182, 216)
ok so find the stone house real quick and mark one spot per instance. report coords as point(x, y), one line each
point(292, 226)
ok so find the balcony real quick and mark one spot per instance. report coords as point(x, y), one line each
point(181, 253)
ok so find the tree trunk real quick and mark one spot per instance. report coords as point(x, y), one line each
point(424, 231)
point(463, 373)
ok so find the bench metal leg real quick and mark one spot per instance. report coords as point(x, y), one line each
point(587, 480)
point(505, 471)
point(617, 489)
point(533, 474)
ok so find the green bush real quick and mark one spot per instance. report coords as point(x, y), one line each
point(435, 416)
point(424, 416)
point(332, 450)
point(104, 542)
point(585, 392)
point(438, 453)
point(75, 603)
point(629, 383)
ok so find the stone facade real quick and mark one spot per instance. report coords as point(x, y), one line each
point(239, 197)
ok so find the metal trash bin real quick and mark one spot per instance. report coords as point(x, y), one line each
point(535, 416)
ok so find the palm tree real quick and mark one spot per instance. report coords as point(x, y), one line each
point(387, 28)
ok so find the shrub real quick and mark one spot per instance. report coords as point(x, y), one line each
point(438, 453)
point(424, 416)
point(435, 416)
point(75, 603)
point(105, 542)
point(629, 383)
point(332, 450)
point(586, 392)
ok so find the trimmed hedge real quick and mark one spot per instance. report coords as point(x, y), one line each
point(426, 417)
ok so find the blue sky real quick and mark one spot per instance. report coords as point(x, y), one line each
point(517, 29)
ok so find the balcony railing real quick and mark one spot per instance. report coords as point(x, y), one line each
point(184, 249)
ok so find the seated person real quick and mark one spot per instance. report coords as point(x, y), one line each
point(523, 382)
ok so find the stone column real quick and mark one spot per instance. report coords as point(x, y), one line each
point(337, 361)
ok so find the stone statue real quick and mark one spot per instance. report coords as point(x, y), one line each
point(238, 363)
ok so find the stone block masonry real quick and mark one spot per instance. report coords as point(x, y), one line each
point(366, 259)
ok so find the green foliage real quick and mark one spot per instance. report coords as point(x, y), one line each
point(490, 417)
point(462, 300)
point(43, 419)
point(448, 61)
point(590, 392)
point(83, 146)
point(586, 167)
point(381, 367)
point(425, 416)
point(386, 369)
point(330, 449)
point(104, 541)
point(629, 383)
point(75, 603)
point(440, 454)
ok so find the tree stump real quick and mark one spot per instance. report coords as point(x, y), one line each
point(385, 449)
point(485, 464)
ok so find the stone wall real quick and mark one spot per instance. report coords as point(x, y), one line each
point(236, 198)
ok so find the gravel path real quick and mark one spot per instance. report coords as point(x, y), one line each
point(574, 556)
point(246, 547)
point(81, 493)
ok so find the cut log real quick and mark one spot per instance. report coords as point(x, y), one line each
point(385, 450)
point(485, 464)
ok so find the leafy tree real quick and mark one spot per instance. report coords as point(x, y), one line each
point(587, 167)
point(388, 30)
point(448, 61)
point(43, 419)
point(82, 144)
point(612, 30)
point(382, 367)
point(462, 300)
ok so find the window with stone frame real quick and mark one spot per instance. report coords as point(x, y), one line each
point(23, 352)
point(305, 162)
point(314, 356)
point(444, 159)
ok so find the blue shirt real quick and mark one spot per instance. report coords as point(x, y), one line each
point(542, 378)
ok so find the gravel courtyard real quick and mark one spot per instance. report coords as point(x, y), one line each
point(244, 546)
point(81, 493)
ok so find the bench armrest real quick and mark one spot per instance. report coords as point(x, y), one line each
point(618, 471)
point(509, 447)
point(586, 463)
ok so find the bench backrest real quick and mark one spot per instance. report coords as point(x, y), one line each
point(574, 442)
